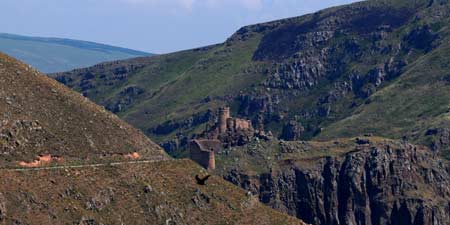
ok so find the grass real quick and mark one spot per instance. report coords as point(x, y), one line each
point(411, 104)
point(111, 195)
point(176, 85)
point(64, 123)
point(261, 157)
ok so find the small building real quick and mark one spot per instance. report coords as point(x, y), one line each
point(203, 152)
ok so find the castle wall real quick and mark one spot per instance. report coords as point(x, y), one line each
point(236, 124)
point(230, 123)
point(241, 124)
point(200, 157)
point(203, 152)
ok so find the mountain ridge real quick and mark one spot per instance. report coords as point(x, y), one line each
point(330, 67)
point(61, 54)
point(71, 42)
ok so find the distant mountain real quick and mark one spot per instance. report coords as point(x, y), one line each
point(56, 55)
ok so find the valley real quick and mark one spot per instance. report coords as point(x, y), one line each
point(337, 117)
point(322, 71)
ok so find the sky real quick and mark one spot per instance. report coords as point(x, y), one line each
point(156, 26)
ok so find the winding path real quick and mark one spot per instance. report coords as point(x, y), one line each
point(81, 166)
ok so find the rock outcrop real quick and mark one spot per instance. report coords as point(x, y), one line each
point(2, 207)
point(292, 131)
point(370, 185)
point(440, 138)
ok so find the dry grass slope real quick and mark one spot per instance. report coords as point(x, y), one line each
point(40, 117)
point(158, 193)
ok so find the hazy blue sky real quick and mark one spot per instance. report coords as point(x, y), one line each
point(158, 26)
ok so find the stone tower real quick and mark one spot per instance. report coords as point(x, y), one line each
point(212, 160)
point(224, 115)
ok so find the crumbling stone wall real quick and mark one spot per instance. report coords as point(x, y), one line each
point(203, 152)
point(239, 124)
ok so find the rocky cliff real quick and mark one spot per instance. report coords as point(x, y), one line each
point(372, 183)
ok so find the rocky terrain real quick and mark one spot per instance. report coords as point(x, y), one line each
point(355, 181)
point(330, 72)
point(65, 160)
point(157, 193)
point(375, 68)
point(41, 117)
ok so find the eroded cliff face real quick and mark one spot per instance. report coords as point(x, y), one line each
point(369, 185)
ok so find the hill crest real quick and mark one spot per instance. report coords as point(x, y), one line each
point(60, 54)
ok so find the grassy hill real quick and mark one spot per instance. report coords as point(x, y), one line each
point(375, 67)
point(415, 103)
point(57, 55)
point(66, 160)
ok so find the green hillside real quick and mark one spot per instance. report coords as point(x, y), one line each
point(374, 67)
point(57, 55)
point(417, 101)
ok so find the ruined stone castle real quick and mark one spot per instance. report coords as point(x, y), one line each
point(226, 129)
point(226, 123)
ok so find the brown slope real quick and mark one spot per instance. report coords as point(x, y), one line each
point(164, 192)
point(41, 117)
